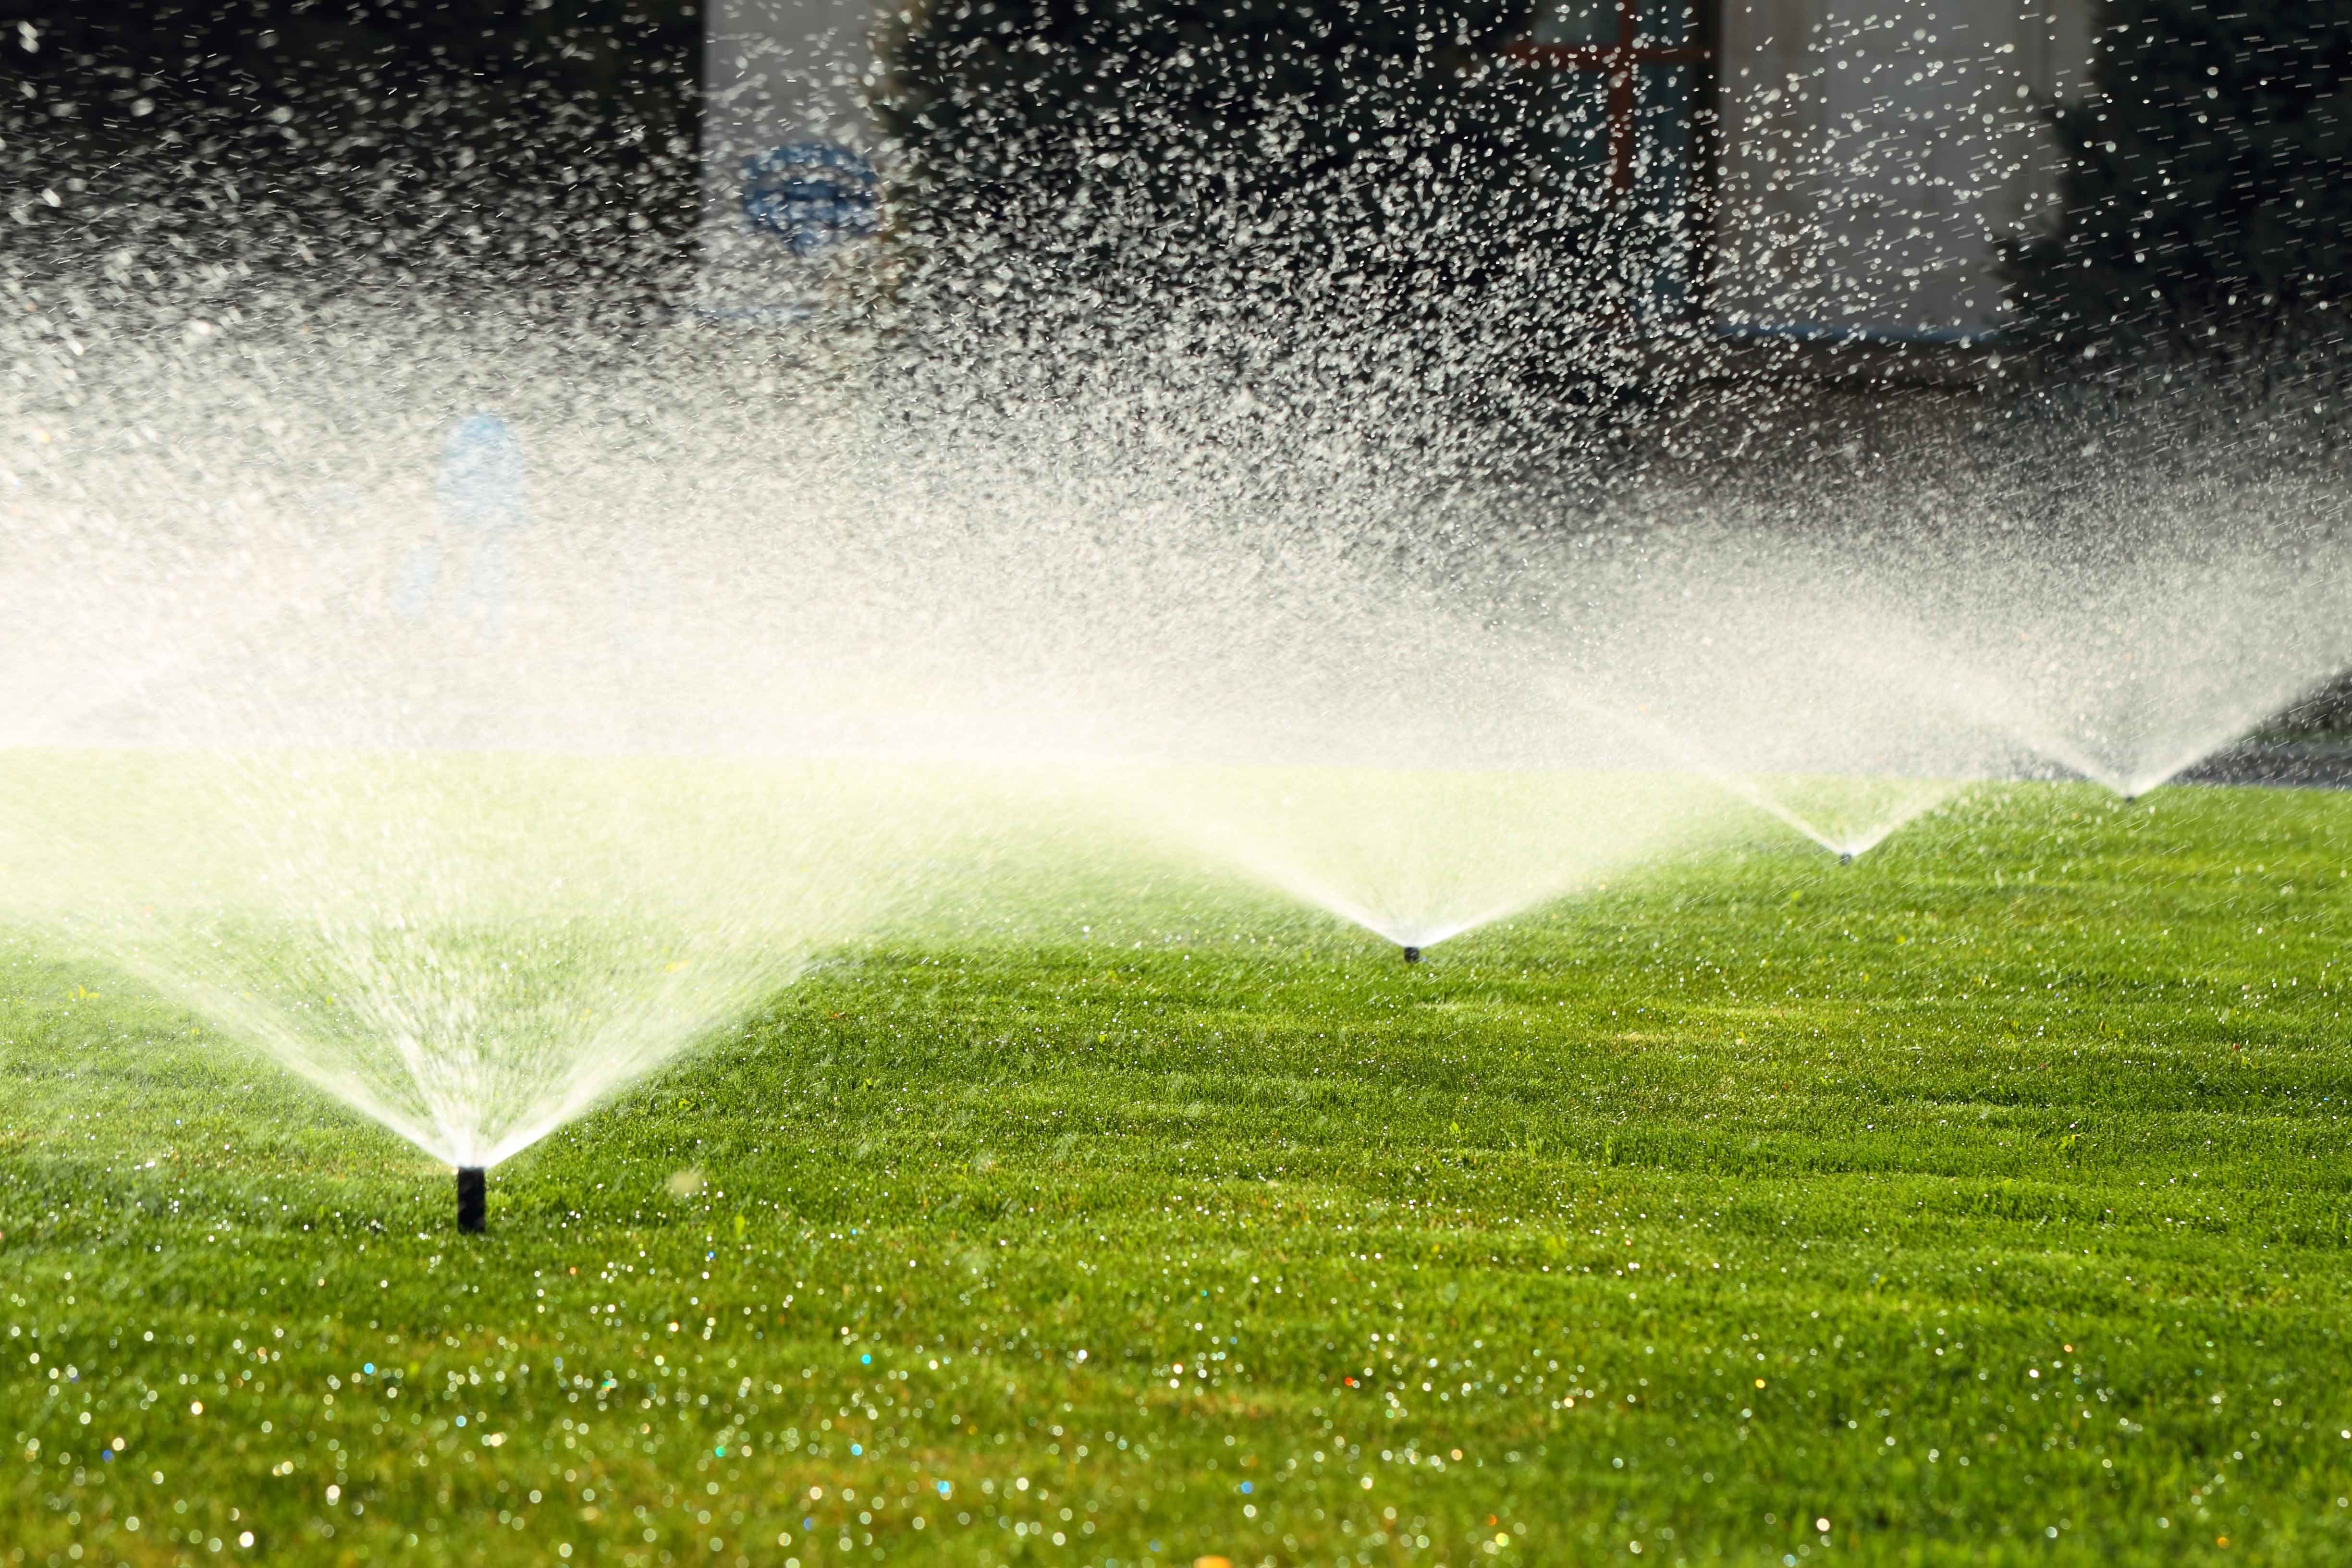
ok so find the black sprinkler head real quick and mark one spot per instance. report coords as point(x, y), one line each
point(473, 1201)
point(1412, 955)
point(1845, 856)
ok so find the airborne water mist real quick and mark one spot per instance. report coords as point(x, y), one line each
point(472, 687)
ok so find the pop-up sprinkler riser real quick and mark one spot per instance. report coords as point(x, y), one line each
point(473, 1201)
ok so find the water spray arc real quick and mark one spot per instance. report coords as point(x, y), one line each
point(452, 837)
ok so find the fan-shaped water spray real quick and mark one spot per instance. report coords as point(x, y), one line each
point(1421, 855)
point(416, 744)
point(470, 949)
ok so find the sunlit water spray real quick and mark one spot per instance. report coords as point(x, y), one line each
point(474, 764)
point(435, 817)
point(471, 949)
point(1847, 675)
point(1419, 857)
point(1845, 815)
point(2159, 666)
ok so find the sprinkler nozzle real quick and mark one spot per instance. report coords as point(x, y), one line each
point(1412, 954)
point(473, 1201)
point(1845, 856)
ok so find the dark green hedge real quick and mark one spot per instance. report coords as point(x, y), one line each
point(2209, 189)
point(491, 136)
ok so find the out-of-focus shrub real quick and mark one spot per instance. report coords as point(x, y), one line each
point(2207, 212)
point(458, 139)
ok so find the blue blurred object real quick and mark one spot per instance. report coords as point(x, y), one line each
point(482, 496)
point(811, 194)
point(481, 487)
point(420, 572)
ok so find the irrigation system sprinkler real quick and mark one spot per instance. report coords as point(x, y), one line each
point(1845, 856)
point(473, 1201)
point(1412, 954)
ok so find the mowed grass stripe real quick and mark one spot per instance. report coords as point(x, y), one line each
point(1738, 1196)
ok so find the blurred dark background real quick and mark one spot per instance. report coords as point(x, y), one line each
point(2208, 189)
point(552, 139)
point(553, 142)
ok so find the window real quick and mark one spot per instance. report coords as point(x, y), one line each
point(1624, 88)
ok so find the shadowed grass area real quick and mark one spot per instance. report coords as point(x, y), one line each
point(1987, 1199)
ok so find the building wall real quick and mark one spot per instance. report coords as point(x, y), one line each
point(1875, 153)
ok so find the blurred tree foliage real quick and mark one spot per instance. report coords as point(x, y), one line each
point(1051, 103)
point(1358, 172)
point(2207, 196)
point(551, 140)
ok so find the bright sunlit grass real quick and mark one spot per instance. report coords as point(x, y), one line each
point(1985, 1201)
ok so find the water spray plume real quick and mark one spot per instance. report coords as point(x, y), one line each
point(471, 706)
point(437, 785)
point(470, 950)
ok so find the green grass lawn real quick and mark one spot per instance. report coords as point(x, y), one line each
point(1987, 1200)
